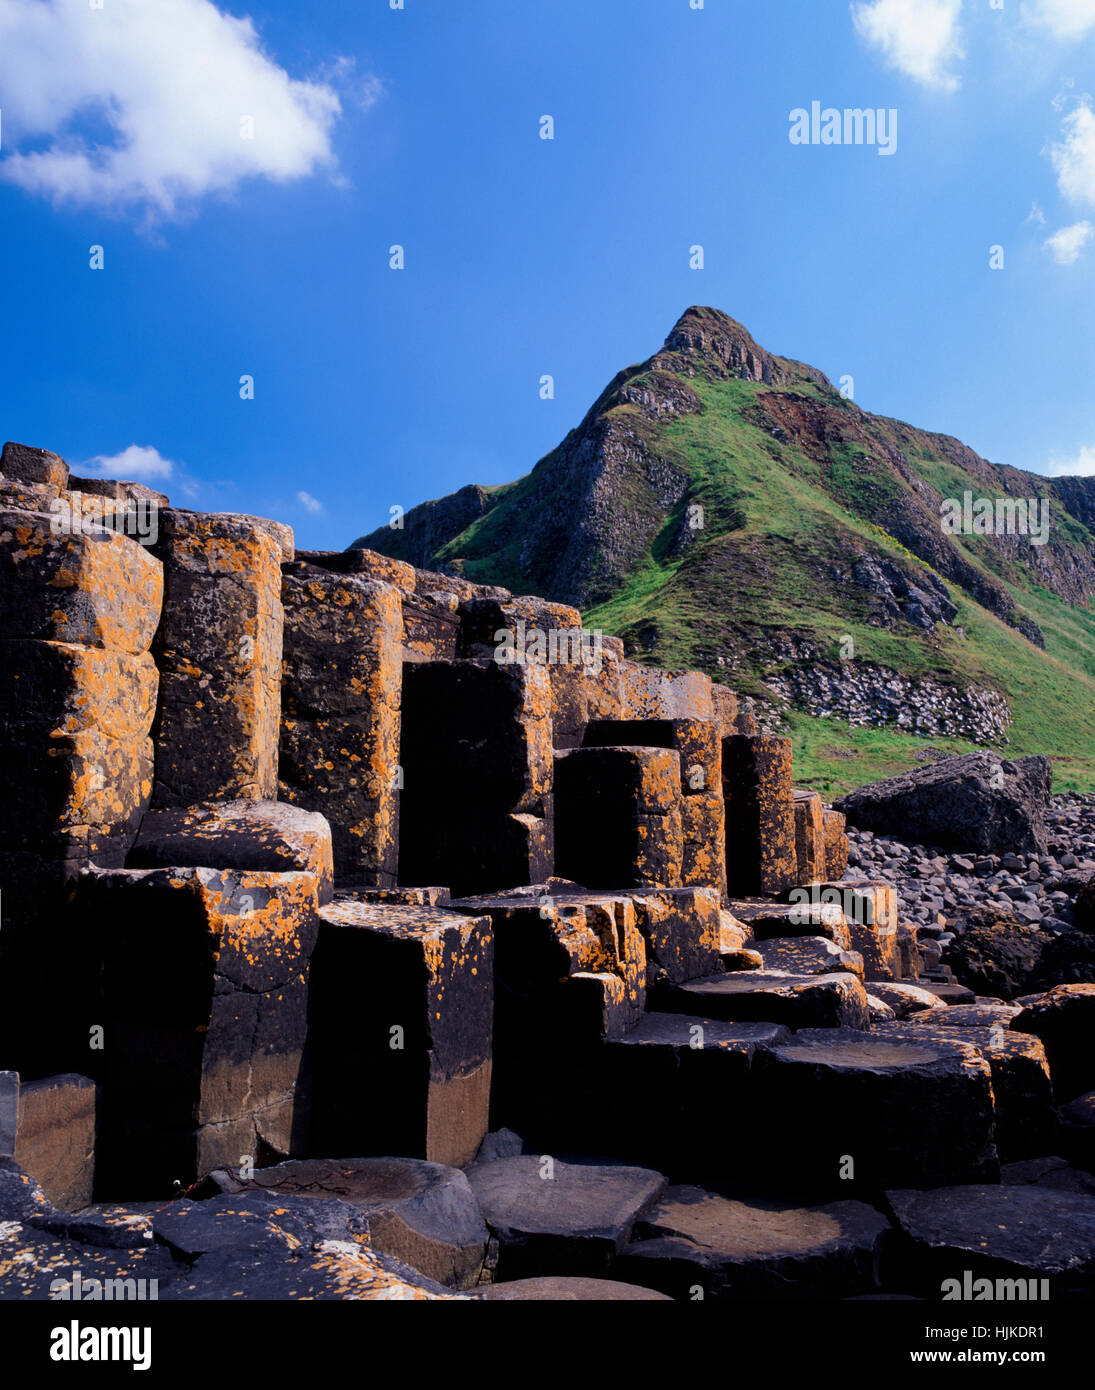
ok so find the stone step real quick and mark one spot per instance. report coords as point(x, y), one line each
point(808, 955)
point(765, 919)
point(767, 996)
point(750, 1249)
point(1026, 1124)
point(552, 1217)
point(841, 1111)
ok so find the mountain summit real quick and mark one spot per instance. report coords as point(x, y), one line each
point(725, 508)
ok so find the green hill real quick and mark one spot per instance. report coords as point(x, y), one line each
point(728, 510)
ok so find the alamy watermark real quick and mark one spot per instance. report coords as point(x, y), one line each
point(567, 646)
point(996, 516)
point(83, 514)
point(851, 126)
point(971, 1290)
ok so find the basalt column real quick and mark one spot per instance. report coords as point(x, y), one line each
point(77, 695)
point(760, 814)
point(219, 653)
point(340, 722)
point(477, 768)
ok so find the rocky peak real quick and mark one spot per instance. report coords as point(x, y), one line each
point(725, 346)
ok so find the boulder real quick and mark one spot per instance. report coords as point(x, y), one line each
point(1066, 959)
point(618, 813)
point(808, 955)
point(95, 588)
point(341, 686)
point(994, 954)
point(760, 814)
point(974, 802)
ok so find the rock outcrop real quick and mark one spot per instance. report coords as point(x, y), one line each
point(318, 866)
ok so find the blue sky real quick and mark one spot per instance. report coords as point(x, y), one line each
point(268, 257)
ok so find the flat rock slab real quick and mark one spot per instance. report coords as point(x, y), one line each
point(799, 1001)
point(970, 1016)
point(331, 1270)
point(949, 991)
point(424, 1214)
point(904, 999)
point(271, 835)
point(564, 1290)
point(808, 955)
point(676, 1031)
point(735, 1249)
point(109, 1227)
point(36, 1265)
point(1011, 1232)
point(253, 1221)
point(922, 1108)
point(552, 1217)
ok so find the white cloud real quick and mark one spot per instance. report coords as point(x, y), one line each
point(920, 38)
point(1067, 244)
point(136, 464)
point(1074, 157)
point(1082, 464)
point(1065, 19)
point(143, 104)
point(308, 502)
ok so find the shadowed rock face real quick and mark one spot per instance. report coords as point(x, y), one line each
point(975, 802)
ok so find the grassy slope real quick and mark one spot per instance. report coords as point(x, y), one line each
point(771, 507)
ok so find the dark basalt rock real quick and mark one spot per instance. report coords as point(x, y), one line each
point(1064, 1019)
point(994, 954)
point(957, 803)
point(550, 1216)
point(734, 1249)
point(1017, 1232)
point(424, 1214)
